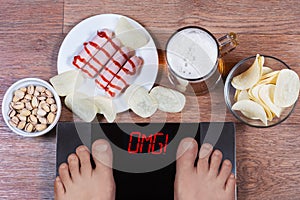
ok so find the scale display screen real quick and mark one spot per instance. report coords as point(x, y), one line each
point(144, 154)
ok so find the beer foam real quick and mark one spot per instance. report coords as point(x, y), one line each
point(192, 53)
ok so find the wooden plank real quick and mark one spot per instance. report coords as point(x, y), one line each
point(27, 166)
point(266, 17)
point(31, 16)
point(268, 162)
point(34, 58)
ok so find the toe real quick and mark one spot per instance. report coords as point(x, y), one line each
point(74, 166)
point(84, 159)
point(230, 186)
point(186, 155)
point(215, 163)
point(225, 171)
point(102, 155)
point(59, 189)
point(64, 174)
point(204, 154)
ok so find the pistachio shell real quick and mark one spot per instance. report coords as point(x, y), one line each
point(40, 127)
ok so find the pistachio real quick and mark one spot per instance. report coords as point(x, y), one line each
point(53, 108)
point(34, 102)
point(11, 105)
point(46, 108)
point(12, 113)
point(50, 101)
point(28, 96)
point(41, 112)
point(21, 118)
point(15, 119)
point(25, 112)
point(15, 99)
point(28, 106)
point(41, 98)
point(33, 119)
point(19, 94)
point(43, 120)
point(40, 88)
point(50, 118)
point(43, 103)
point(18, 105)
point(24, 89)
point(29, 127)
point(48, 93)
point(24, 101)
point(36, 93)
point(40, 127)
point(12, 123)
point(30, 89)
point(34, 111)
point(21, 125)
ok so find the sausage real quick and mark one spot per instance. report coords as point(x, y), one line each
point(113, 66)
point(102, 56)
point(91, 48)
point(124, 77)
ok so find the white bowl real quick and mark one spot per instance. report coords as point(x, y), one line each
point(8, 98)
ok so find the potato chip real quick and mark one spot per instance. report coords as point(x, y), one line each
point(65, 83)
point(253, 109)
point(251, 76)
point(140, 102)
point(105, 106)
point(243, 95)
point(130, 36)
point(271, 74)
point(270, 80)
point(266, 70)
point(255, 97)
point(236, 94)
point(253, 92)
point(168, 100)
point(287, 88)
point(249, 115)
point(82, 106)
point(266, 94)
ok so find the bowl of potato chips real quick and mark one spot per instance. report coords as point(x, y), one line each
point(261, 91)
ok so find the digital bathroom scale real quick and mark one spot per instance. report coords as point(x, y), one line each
point(144, 153)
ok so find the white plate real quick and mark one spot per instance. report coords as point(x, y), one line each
point(85, 31)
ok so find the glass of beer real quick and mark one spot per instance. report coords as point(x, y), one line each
point(194, 59)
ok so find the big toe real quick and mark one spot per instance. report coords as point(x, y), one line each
point(186, 155)
point(102, 154)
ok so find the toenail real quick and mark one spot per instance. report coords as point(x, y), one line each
point(63, 165)
point(227, 162)
point(187, 145)
point(217, 153)
point(72, 157)
point(101, 147)
point(205, 150)
point(231, 176)
point(82, 148)
point(58, 179)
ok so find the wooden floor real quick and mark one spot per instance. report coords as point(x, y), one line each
point(31, 32)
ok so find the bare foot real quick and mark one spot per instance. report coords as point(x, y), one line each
point(77, 179)
point(203, 181)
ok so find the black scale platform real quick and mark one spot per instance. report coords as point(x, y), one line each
point(144, 154)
